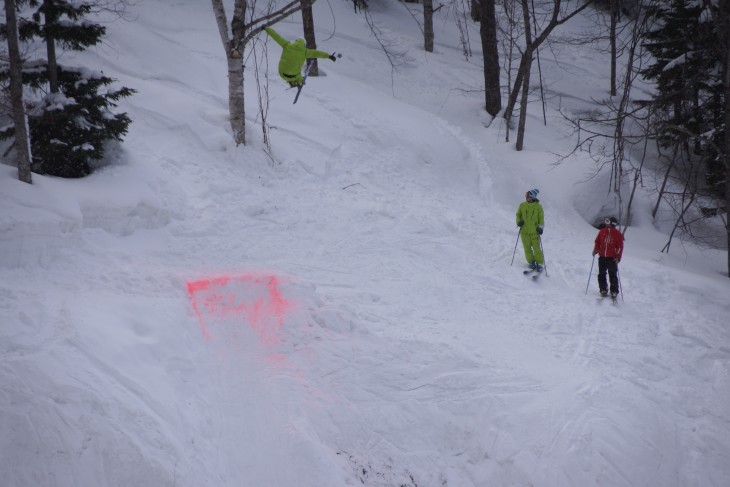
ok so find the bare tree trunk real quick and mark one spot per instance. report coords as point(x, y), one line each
point(621, 115)
point(488, 32)
point(22, 142)
point(724, 25)
point(727, 139)
point(51, 51)
point(664, 182)
point(474, 10)
point(527, 55)
point(680, 218)
point(428, 25)
point(539, 72)
point(460, 16)
point(525, 64)
point(637, 177)
point(519, 144)
point(509, 9)
point(262, 88)
point(309, 38)
point(612, 37)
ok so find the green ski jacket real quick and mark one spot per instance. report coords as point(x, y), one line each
point(530, 212)
point(293, 56)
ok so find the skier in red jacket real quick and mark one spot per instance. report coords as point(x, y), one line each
point(609, 246)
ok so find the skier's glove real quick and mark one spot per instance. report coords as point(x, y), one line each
point(539, 229)
point(594, 253)
point(520, 223)
point(333, 57)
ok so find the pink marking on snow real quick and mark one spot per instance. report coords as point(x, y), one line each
point(254, 297)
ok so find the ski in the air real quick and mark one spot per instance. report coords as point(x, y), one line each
point(310, 62)
point(306, 73)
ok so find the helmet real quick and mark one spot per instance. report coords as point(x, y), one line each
point(611, 221)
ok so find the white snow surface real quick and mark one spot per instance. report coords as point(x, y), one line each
point(342, 310)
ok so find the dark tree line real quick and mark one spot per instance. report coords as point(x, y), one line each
point(690, 49)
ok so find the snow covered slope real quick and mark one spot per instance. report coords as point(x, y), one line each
point(342, 310)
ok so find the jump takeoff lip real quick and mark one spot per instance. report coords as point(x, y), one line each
point(255, 297)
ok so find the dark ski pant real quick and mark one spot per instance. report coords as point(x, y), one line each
point(608, 264)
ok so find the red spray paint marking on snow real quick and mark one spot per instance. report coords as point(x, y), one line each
point(255, 297)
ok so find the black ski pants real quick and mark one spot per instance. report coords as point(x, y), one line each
point(608, 264)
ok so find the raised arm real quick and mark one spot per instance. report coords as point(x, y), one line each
point(274, 35)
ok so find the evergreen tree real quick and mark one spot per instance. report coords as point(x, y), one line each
point(70, 119)
point(690, 98)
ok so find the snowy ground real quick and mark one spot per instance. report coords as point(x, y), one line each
point(198, 314)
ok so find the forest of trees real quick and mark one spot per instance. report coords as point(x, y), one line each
point(682, 47)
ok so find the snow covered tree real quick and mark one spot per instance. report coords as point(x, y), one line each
point(59, 21)
point(70, 128)
point(71, 119)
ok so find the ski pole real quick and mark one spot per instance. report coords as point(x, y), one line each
point(515, 252)
point(544, 260)
point(590, 273)
point(620, 287)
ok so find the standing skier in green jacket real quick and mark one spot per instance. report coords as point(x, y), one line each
point(531, 219)
point(293, 56)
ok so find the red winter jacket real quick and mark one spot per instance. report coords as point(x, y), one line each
point(609, 243)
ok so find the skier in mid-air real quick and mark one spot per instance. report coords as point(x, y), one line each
point(293, 56)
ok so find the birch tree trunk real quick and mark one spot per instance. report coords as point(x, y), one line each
point(22, 142)
point(234, 45)
point(234, 57)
